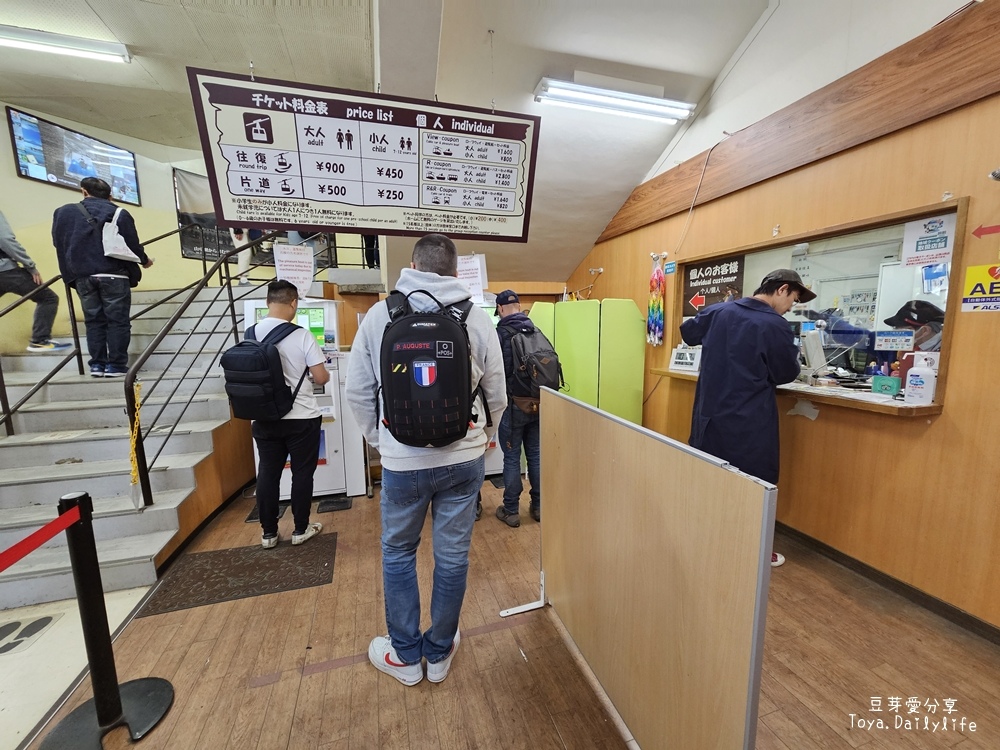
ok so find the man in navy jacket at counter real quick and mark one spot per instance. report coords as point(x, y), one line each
point(747, 351)
point(101, 282)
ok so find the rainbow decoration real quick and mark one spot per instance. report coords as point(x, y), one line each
point(654, 310)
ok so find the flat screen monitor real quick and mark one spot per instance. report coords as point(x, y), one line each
point(812, 348)
point(55, 155)
point(313, 319)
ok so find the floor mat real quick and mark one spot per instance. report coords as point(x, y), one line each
point(330, 504)
point(201, 578)
point(497, 482)
point(254, 516)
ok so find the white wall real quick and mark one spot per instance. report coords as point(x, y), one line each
point(797, 47)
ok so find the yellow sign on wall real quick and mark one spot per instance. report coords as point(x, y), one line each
point(981, 292)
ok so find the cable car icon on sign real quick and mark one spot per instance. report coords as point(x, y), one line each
point(258, 128)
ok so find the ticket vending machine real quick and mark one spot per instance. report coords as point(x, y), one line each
point(341, 465)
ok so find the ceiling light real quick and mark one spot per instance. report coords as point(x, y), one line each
point(60, 44)
point(578, 95)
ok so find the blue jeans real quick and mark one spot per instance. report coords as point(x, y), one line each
point(517, 429)
point(451, 493)
point(19, 281)
point(106, 303)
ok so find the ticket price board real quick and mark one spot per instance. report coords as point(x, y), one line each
point(283, 155)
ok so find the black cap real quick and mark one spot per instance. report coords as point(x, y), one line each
point(915, 314)
point(791, 278)
point(506, 297)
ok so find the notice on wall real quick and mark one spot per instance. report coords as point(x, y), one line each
point(295, 263)
point(283, 155)
point(893, 341)
point(929, 241)
point(981, 292)
point(709, 283)
point(472, 273)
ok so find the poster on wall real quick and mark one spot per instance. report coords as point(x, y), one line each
point(929, 241)
point(712, 282)
point(201, 237)
point(282, 155)
point(472, 272)
point(982, 289)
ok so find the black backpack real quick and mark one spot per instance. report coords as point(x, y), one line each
point(426, 369)
point(255, 382)
point(536, 364)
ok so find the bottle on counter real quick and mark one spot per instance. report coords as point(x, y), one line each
point(921, 380)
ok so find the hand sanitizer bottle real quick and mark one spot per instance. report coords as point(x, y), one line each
point(921, 381)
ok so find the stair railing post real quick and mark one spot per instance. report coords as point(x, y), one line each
point(74, 326)
point(8, 420)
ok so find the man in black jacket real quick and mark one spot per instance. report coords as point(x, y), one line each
point(517, 427)
point(101, 282)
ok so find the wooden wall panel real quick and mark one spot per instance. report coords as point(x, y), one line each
point(218, 477)
point(657, 585)
point(949, 66)
point(917, 499)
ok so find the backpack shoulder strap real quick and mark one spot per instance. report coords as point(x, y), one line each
point(397, 303)
point(90, 218)
point(460, 310)
point(250, 334)
point(280, 332)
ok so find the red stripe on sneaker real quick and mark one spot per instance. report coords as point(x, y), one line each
point(391, 663)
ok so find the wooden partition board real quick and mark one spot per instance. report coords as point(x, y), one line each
point(622, 355)
point(657, 561)
point(578, 340)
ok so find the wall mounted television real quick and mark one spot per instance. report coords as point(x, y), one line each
point(56, 155)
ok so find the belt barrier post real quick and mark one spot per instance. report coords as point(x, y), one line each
point(138, 704)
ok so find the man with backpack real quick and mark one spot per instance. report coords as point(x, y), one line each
point(286, 418)
point(519, 425)
point(102, 282)
point(424, 375)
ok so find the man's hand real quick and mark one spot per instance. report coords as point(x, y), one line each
point(148, 263)
point(36, 277)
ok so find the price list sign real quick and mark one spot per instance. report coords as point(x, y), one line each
point(282, 155)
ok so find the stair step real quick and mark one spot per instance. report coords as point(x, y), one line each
point(34, 485)
point(50, 448)
point(65, 386)
point(125, 562)
point(113, 517)
point(110, 412)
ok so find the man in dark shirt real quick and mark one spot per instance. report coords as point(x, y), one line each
point(747, 351)
point(101, 282)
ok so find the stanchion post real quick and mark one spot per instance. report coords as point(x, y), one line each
point(138, 704)
point(93, 613)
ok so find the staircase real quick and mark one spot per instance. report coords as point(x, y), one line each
point(73, 436)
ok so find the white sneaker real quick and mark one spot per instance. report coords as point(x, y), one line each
point(777, 559)
point(311, 530)
point(385, 659)
point(269, 542)
point(439, 670)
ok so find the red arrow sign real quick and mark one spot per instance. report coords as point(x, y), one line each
point(981, 230)
point(697, 301)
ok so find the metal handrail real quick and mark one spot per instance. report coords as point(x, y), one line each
point(8, 412)
point(144, 431)
point(130, 377)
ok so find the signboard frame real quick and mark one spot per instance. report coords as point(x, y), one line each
point(454, 223)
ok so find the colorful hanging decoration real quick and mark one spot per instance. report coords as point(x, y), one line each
point(654, 311)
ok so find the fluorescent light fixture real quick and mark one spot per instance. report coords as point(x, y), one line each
point(577, 95)
point(60, 44)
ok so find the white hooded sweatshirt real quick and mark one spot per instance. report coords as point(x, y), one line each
point(364, 376)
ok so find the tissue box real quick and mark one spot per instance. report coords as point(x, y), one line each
point(885, 385)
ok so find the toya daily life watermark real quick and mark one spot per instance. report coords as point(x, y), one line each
point(912, 714)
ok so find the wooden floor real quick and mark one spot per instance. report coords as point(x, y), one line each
point(290, 670)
